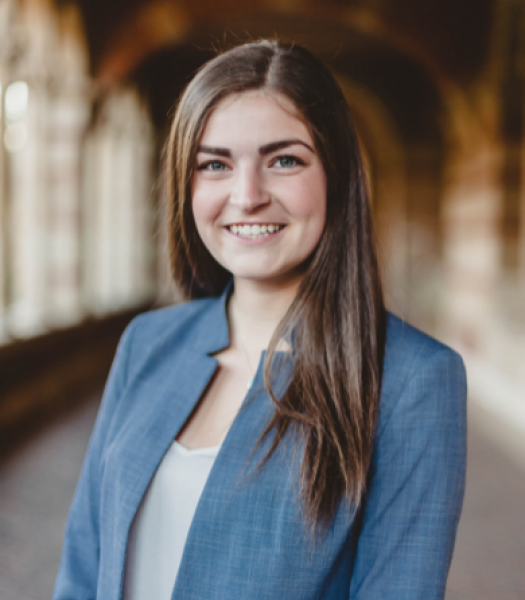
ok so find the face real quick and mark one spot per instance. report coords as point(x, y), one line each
point(259, 188)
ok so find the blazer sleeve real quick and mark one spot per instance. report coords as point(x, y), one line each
point(78, 571)
point(415, 495)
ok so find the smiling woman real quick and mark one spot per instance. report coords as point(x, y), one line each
point(268, 176)
point(340, 474)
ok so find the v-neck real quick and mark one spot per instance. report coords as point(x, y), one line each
point(160, 427)
point(189, 452)
point(174, 391)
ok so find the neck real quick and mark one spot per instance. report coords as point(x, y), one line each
point(255, 310)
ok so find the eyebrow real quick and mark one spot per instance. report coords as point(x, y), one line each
point(263, 150)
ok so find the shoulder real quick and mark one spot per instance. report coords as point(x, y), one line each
point(153, 337)
point(420, 375)
point(408, 349)
point(403, 340)
point(181, 319)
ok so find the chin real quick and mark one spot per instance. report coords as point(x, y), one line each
point(255, 274)
point(261, 277)
point(265, 278)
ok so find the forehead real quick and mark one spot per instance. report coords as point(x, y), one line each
point(255, 113)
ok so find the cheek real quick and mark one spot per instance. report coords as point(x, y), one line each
point(317, 214)
point(310, 204)
point(203, 207)
point(317, 222)
point(198, 211)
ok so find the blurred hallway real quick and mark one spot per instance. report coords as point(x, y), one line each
point(87, 87)
point(37, 482)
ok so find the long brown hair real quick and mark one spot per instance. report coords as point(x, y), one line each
point(338, 316)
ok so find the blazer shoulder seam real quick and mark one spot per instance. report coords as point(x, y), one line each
point(416, 369)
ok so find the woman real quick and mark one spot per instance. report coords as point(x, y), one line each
point(340, 472)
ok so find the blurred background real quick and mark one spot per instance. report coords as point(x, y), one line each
point(437, 89)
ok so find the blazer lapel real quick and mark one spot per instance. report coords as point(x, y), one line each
point(156, 408)
point(143, 442)
point(229, 484)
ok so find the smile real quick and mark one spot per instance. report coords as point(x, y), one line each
point(255, 231)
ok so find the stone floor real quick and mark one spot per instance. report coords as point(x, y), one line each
point(38, 478)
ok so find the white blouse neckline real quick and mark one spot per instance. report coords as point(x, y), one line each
point(187, 452)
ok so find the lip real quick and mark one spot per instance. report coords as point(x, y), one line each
point(254, 223)
point(257, 241)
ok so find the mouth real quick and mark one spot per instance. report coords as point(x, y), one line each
point(254, 232)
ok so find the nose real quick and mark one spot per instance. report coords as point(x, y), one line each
point(248, 191)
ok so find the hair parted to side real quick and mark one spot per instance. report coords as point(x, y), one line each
point(338, 315)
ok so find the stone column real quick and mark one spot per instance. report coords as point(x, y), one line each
point(66, 121)
point(472, 244)
point(118, 207)
point(25, 140)
point(3, 199)
point(8, 33)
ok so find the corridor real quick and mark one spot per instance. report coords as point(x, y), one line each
point(87, 92)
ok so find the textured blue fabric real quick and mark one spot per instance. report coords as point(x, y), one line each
point(247, 538)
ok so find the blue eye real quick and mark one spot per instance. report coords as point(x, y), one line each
point(285, 162)
point(212, 165)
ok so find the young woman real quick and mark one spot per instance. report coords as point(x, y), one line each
point(280, 435)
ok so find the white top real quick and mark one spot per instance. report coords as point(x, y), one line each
point(160, 528)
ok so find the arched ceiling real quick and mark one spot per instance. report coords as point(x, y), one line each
point(401, 83)
point(453, 34)
point(399, 50)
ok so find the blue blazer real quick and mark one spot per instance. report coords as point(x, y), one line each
point(247, 539)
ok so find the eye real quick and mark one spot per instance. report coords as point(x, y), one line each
point(212, 165)
point(287, 161)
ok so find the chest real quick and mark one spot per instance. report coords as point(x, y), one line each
point(247, 537)
point(219, 404)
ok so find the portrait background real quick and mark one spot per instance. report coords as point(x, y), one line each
point(437, 90)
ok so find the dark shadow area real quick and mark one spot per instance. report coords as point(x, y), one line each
point(45, 375)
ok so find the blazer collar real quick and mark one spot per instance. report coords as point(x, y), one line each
point(213, 330)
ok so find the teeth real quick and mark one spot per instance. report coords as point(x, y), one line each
point(254, 231)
